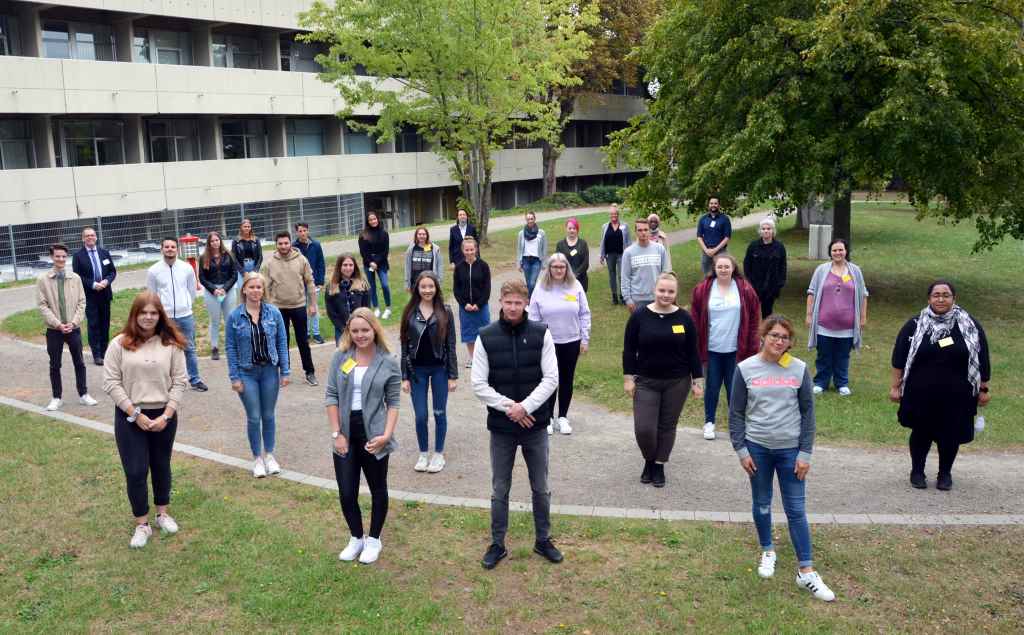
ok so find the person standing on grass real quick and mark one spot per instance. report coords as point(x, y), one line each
point(256, 339)
point(61, 301)
point(314, 253)
point(429, 363)
point(217, 274)
point(289, 287)
point(422, 255)
point(614, 241)
point(642, 263)
point(145, 375)
point(174, 282)
point(765, 266)
point(374, 246)
point(515, 372)
point(660, 366)
point(347, 292)
point(363, 396)
point(461, 230)
point(771, 425)
point(531, 250)
point(837, 312)
point(95, 267)
point(472, 290)
point(714, 230)
point(561, 303)
point(727, 313)
point(657, 235)
point(575, 251)
point(247, 250)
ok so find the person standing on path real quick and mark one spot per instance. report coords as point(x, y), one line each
point(374, 246)
point(61, 301)
point(145, 375)
point(560, 302)
point(247, 250)
point(217, 274)
point(314, 253)
point(256, 339)
point(576, 251)
point(947, 351)
point(531, 250)
point(174, 282)
point(714, 230)
point(727, 313)
point(614, 240)
point(289, 286)
point(771, 425)
point(363, 396)
point(837, 312)
point(422, 255)
point(660, 366)
point(429, 363)
point(347, 292)
point(765, 266)
point(95, 267)
point(515, 372)
point(657, 235)
point(472, 290)
point(461, 230)
point(642, 263)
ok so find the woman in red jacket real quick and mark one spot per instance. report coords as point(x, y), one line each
point(727, 312)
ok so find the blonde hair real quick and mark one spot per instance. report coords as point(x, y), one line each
point(547, 280)
point(379, 340)
point(514, 287)
point(249, 276)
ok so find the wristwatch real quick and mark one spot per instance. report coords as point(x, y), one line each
point(335, 435)
point(135, 414)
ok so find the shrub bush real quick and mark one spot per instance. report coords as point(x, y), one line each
point(602, 194)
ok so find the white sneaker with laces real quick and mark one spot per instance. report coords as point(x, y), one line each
point(437, 463)
point(766, 568)
point(371, 550)
point(87, 400)
point(386, 314)
point(709, 431)
point(259, 470)
point(141, 536)
point(166, 523)
point(817, 390)
point(54, 404)
point(813, 583)
point(845, 391)
point(352, 550)
point(421, 463)
point(376, 312)
point(271, 464)
point(563, 425)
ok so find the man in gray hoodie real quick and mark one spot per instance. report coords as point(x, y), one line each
point(642, 263)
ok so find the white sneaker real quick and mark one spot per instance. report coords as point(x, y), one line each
point(141, 536)
point(551, 429)
point(259, 470)
point(437, 463)
point(817, 390)
point(766, 568)
point(845, 391)
point(376, 312)
point(272, 465)
point(371, 550)
point(166, 523)
point(709, 431)
point(87, 400)
point(421, 463)
point(352, 550)
point(386, 314)
point(813, 583)
point(563, 425)
point(54, 404)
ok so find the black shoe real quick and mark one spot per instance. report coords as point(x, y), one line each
point(200, 386)
point(318, 339)
point(658, 475)
point(548, 550)
point(98, 361)
point(645, 476)
point(918, 481)
point(311, 379)
point(944, 482)
point(494, 555)
point(214, 354)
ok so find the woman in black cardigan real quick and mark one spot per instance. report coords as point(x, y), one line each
point(217, 275)
point(765, 266)
point(472, 290)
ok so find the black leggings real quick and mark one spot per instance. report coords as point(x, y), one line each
point(346, 471)
point(567, 355)
point(921, 443)
point(145, 453)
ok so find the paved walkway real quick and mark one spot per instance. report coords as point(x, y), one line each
point(594, 471)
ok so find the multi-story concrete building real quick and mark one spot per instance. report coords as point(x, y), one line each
point(153, 117)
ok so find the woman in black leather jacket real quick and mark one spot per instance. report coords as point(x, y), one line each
point(217, 275)
point(346, 292)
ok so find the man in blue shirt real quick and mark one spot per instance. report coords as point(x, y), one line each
point(314, 253)
point(713, 233)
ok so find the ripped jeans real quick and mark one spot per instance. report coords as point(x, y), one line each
point(435, 378)
point(783, 462)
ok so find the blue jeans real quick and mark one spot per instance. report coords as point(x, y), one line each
point(259, 397)
point(218, 310)
point(613, 261)
point(187, 326)
point(314, 320)
point(436, 378)
point(721, 367)
point(781, 462)
point(531, 269)
point(383, 275)
point(833, 362)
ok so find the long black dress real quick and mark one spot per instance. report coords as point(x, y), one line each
point(938, 397)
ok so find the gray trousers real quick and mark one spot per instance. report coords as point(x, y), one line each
point(657, 404)
point(614, 261)
point(503, 457)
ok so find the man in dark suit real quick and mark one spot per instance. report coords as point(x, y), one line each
point(457, 234)
point(95, 267)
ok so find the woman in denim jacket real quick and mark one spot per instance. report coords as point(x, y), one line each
point(257, 344)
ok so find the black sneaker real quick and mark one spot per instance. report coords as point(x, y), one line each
point(311, 379)
point(944, 482)
point(495, 554)
point(918, 481)
point(200, 386)
point(318, 339)
point(645, 476)
point(98, 361)
point(214, 353)
point(548, 550)
point(658, 475)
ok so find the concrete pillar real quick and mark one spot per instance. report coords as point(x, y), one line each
point(31, 30)
point(270, 50)
point(202, 45)
point(42, 140)
point(277, 140)
point(334, 136)
point(134, 140)
point(124, 37)
point(210, 139)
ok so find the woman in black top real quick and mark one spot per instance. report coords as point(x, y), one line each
point(940, 375)
point(765, 266)
point(374, 245)
point(346, 292)
point(247, 250)
point(575, 251)
point(217, 274)
point(660, 364)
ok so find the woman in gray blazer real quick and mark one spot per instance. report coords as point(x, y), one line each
point(363, 390)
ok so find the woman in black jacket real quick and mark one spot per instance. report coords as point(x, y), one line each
point(247, 251)
point(575, 251)
point(374, 245)
point(217, 274)
point(346, 292)
point(765, 266)
point(472, 288)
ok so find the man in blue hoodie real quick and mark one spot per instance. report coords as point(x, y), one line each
point(314, 253)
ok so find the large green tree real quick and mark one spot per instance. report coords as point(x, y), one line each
point(465, 73)
point(780, 101)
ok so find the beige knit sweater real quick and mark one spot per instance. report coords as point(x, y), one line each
point(151, 376)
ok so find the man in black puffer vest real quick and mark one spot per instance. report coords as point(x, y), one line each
point(514, 373)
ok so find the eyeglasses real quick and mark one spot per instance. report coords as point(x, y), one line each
point(941, 296)
point(778, 337)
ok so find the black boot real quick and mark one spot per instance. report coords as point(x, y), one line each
point(918, 481)
point(214, 354)
point(944, 482)
point(658, 475)
point(645, 476)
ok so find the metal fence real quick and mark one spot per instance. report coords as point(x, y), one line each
point(135, 238)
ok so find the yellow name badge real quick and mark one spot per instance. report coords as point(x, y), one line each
point(946, 341)
point(428, 247)
point(573, 252)
point(785, 360)
point(847, 278)
point(678, 328)
point(569, 297)
point(348, 365)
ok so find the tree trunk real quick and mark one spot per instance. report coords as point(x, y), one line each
point(841, 216)
point(549, 157)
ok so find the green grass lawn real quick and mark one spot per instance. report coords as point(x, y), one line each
point(262, 555)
